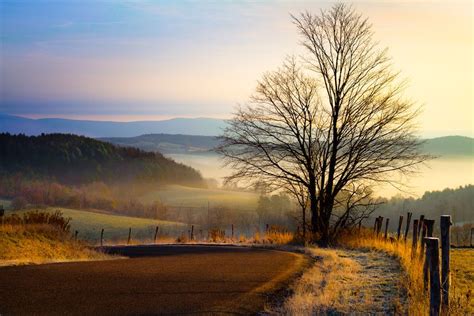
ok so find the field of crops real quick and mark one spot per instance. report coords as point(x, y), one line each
point(89, 225)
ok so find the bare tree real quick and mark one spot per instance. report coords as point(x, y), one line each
point(338, 133)
point(274, 139)
point(371, 131)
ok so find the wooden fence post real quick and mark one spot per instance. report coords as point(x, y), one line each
point(156, 234)
point(415, 237)
point(422, 242)
point(429, 227)
point(102, 237)
point(379, 224)
point(129, 235)
point(192, 232)
point(386, 227)
point(400, 223)
point(232, 231)
point(445, 249)
point(429, 223)
point(472, 230)
point(420, 224)
point(432, 245)
point(375, 224)
point(75, 235)
point(409, 214)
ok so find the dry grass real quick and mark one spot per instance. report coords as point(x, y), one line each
point(323, 287)
point(343, 281)
point(35, 238)
point(462, 279)
point(412, 263)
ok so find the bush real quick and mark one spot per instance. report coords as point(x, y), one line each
point(55, 220)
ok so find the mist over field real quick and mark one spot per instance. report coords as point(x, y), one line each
point(437, 174)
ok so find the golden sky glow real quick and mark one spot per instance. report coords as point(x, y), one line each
point(146, 60)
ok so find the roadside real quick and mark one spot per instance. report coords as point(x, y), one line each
point(36, 238)
point(346, 281)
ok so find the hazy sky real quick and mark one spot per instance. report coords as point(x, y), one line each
point(135, 60)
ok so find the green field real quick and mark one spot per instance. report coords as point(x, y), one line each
point(195, 197)
point(89, 225)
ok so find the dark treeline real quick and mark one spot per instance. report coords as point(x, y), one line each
point(72, 159)
point(459, 203)
point(120, 199)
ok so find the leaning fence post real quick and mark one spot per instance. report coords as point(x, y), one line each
point(400, 223)
point(445, 248)
point(376, 224)
point(102, 237)
point(432, 245)
point(415, 237)
point(386, 227)
point(156, 234)
point(409, 214)
point(129, 235)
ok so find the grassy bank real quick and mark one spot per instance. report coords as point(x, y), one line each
point(90, 223)
point(40, 238)
point(462, 274)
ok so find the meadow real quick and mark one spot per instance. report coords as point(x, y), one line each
point(176, 195)
point(90, 223)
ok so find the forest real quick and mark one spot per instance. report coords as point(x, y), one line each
point(71, 159)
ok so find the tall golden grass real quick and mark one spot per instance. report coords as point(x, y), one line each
point(412, 262)
point(37, 237)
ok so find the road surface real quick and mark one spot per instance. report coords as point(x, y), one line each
point(173, 279)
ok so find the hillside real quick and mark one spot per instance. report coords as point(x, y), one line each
point(450, 146)
point(75, 159)
point(167, 143)
point(193, 126)
point(191, 144)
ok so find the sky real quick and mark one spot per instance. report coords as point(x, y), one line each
point(136, 60)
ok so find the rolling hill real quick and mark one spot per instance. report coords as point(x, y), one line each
point(450, 146)
point(77, 159)
point(192, 126)
point(168, 144)
point(447, 146)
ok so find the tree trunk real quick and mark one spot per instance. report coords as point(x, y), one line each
point(314, 208)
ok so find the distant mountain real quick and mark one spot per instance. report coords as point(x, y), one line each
point(449, 146)
point(191, 126)
point(168, 144)
point(73, 159)
point(189, 144)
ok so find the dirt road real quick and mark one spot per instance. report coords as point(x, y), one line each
point(155, 280)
